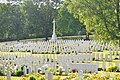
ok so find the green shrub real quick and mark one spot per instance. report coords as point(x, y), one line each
point(93, 59)
point(35, 77)
point(74, 70)
point(117, 77)
point(2, 78)
point(32, 77)
point(11, 47)
point(107, 76)
point(57, 52)
point(10, 50)
point(1, 74)
point(57, 78)
point(100, 69)
point(116, 58)
point(19, 73)
point(42, 52)
point(105, 48)
point(99, 50)
point(112, 68)
point(41, 78)
point(23, 78)
point(28, 51)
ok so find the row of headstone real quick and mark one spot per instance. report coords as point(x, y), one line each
point(55, 46)
point(104, 65)
point(106, 56)
point(79, 58)
point(34, 62)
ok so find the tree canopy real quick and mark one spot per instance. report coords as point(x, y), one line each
point(99, 16)
point(32, 19)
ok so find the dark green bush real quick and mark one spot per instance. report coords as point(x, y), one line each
point(93, 59)
point(100, 69)
point(23, 67)
point(99, 50)
point(10, 50)
point(117, 77)
point(116, 58)
point(42, 52)
point(74, 70)
point(28, 51)
point(57, 52)
point(19, 73)
point(1, 74)
point(32, 78)
point(112, 68)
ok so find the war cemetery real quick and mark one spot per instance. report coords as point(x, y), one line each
point(59, 39)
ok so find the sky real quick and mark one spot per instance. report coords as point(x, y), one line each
point(3, 1)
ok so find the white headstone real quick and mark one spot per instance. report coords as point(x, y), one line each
point(117, 65)
point(80, 74)
point(110, 63)
point(30, 70)
point(110, 56)
point(119, 56)
point(25, 70)
point(106, 57)
point(97, 57)
point(97, 63)
point(91, 58)
point(66, 69)
point(8, 75)
point(115, 55)
point(36, 69)
point(49, 76)
point(103, 65)
point(101, 56)
point(3, 68)
point(86, 59)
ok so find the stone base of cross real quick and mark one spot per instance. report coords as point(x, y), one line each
point(54, 37)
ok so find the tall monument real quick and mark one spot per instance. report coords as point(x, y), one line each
point(54, 36)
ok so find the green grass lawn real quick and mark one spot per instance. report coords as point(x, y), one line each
point(112, 74)
point(12, 78)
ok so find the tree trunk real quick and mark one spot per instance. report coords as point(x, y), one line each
point(87, 35)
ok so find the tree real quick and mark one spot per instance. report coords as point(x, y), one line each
point(67, 24)
point(39, 18)
point(97, 15)
point(3, 22)
point(11, 22)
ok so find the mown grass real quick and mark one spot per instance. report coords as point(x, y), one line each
point(112, 74)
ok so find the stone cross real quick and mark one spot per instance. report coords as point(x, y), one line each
point(54, 26)
point(54, 37)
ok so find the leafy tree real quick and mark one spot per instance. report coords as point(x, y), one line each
point(11, 22)
point(101, 16)
point(67, 24)
point(3, 18)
